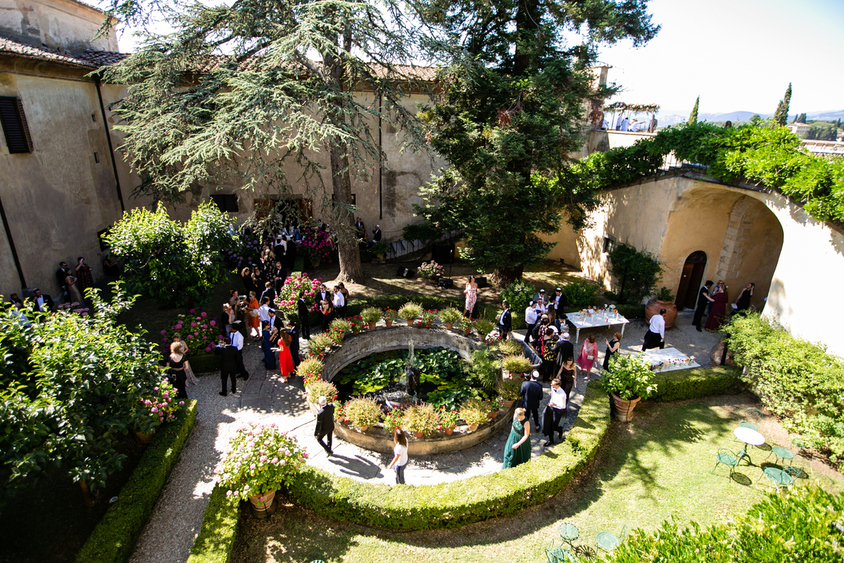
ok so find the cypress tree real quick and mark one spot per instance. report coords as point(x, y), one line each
point(781, 115)
point(693, 115)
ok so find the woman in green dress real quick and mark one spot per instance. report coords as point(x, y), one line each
point(517, 449)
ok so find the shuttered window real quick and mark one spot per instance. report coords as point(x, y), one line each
point(14, 125)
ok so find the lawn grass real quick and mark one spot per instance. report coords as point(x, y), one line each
point(656, 468)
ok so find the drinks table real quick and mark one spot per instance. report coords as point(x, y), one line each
point(668, 359)
point(595, 320)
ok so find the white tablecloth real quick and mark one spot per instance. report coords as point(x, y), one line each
point(671, 359)
point(596, 320)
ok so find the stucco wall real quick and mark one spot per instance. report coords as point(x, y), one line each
point(57, 197)
point(58, 24)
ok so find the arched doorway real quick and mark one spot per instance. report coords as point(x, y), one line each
point(693, 270)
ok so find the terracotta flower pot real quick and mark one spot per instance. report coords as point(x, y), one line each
point(262, 502)
point(449, 326)
point(653, 307)
point(388, 322)
point(363, 428)
point(624, 409)
point(449, 431)
point(493, 415)
point(418, 434)
point(472, 427)
point(508, 404)
point(145, 437)
point(371, 326)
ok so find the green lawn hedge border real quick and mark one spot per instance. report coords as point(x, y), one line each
point(696, 382)
point(114, 538)
point(454, 504)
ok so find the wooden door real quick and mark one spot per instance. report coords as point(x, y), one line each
point(693, 270)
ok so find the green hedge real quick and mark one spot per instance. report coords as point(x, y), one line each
point(219, 530)
point(797, 380)
point(696, 382)
point(631, 312)
point(113, 540)
point(802, 524)
point(395, 302)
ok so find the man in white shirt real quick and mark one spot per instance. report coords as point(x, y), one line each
point(264, 311)
point(338, 300)
point(655, 337)
point(554, 412)
point(531, 316)
point(237, 343)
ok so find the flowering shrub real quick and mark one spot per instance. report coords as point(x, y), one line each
point(427, 319)
point(448, 417)
point(261, 459)
point(393, 419)
point(356, 324)
point(246, 251)
point(629, 377)
point(495, 404)
point(465, 325)
point(199, 332)
point(317, 388)
point(157, 408)
point(336, 333)
point(309, 369)
point(340, 413)
point(493, 338)
point(342, 325)
point(315, 244)
point(421, 419)
point(319, 344)
point(363, 413)
point(293, 286)
point(390, 314)
point(431, 270)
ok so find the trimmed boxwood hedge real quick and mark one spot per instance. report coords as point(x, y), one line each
point(454, 504)
point(114, 538)
point(696, 382)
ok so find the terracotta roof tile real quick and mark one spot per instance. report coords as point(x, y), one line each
point(102, 58)
point(14, 48)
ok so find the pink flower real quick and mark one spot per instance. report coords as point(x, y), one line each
point(192, 311)
point(193, 324)
point(163, 332)
point(213, 322)
point(204, 314)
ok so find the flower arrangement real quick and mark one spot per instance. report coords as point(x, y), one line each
point(261, 459)
point(316, 244)
point(465, 325)
point(421, 419)
point(493, 338)
point(410, 312)
point(336, 334)
point(288, 295)
point(427, 319)
point(340, 413)
point(356, 324)
point(510, 388)
point(319, 344)
point(390, 315)
point(363, 413)
point(371, 315)
point(474, 412)
point(392, 420)
point(450, 315)
point(510, 347)
point(516, 364)
point(342, 324)
point(199, 332)
point(317, 388)
point(158, 408)
point(483, 327)
point(448, 418)
point(431, 270)
point(309, 369)
point(629, 376)
point(495, 404)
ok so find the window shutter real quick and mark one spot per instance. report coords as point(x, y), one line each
point(14, 125)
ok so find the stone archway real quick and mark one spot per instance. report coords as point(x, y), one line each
point(690, 278)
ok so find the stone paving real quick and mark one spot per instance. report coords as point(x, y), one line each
point(264, 398)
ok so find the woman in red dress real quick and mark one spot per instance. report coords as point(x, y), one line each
point(285, 358)
point(716, 314)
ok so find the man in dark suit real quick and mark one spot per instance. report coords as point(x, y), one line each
point(290, 254)
point(43, 303)
point(505, 321)
point(61, 276)
point(703, 299)
point(564, 349)
point(268, 292)
point(325, 424)
point(302, 313)
point(531, 394)
point(293, 331)
point(228, 364)
point(274, 321)
point(279, 274)
point(323, 294)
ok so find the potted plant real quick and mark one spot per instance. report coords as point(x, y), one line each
point(450, 316)
point(495, 406)
point(510, 347)
point(510, 390)
point(309, 369)
point(371, 315)
point(516, 364)
point(319, 344)
point(664, 299)
point(628, 380)
point(421, 419)
point(483, 327)
point(320, 388)
point(261, 459)
point(363, 413)
point(155, 410)
point(389, 316)
point(431, 270)
point(426, 319)
point(341, 325)
point(356, 323)
point(393, 419)
point(448, 420)
point(474, 412)
point(410, 312)
point(465, 325)
point(340, 413)
point(379, 250)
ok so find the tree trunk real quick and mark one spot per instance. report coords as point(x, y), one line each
point(502, 277)
point(351, 270)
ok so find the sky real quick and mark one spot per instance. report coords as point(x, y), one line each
point(737, 55)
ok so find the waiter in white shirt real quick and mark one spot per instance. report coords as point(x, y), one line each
point(237, 343)
point(531, 316)
point(338, 300)
point(554, 411)
point(655, 337)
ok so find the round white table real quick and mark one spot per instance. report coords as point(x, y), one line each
point(749, 437)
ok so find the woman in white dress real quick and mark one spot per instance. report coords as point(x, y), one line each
point(471, 292)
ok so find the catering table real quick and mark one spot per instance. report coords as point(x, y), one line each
point(669, 359)
point(580, 320)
